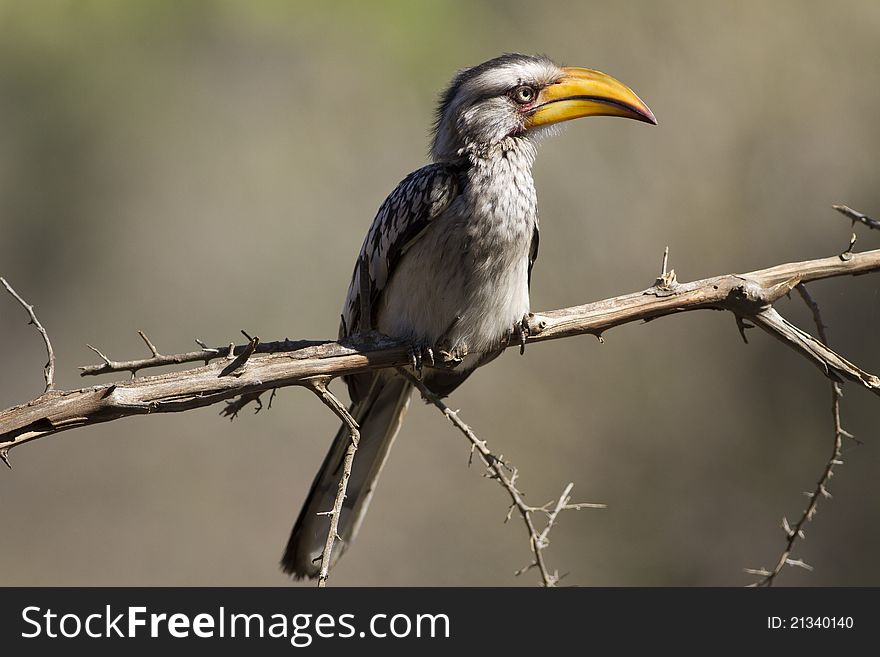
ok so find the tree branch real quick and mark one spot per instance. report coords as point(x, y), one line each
point(506, 475)
point(319, 387)
point(792, 534)
point(749, 296)
point(206, 354)
point(49, 367)
point(857, 217)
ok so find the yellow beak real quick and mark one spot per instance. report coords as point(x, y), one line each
point(585, 92)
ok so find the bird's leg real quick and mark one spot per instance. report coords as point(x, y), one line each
point(522, 331)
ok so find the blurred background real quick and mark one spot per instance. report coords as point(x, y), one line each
point(192, 169)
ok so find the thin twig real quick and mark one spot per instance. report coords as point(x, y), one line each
point(319, 387)
point(150, 345)
point(797, 531)
point(857, 217)
point(49, 367)
point(206, 354)
point(506, 476)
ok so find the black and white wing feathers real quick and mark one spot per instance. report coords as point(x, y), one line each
point(420, 197)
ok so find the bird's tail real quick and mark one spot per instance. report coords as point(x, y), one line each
point(379, 416)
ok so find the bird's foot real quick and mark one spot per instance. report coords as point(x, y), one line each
point(438, 356)
point(451, 357)
point(521, 331)
point(420, 355)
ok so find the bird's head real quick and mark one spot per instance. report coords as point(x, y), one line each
point(520, 96)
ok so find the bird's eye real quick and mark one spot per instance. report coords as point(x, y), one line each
point(523, 94)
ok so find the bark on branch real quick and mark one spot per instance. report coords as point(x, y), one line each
point(257, 367)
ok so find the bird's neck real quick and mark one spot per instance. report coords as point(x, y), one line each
point(500, 193)
point(503, 167)
point(519, 150)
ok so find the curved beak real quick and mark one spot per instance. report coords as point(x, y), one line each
point(585, 92)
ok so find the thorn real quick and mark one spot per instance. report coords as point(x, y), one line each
point(525, 569)
point(787, 527)
point(742, 326)
point(100, 355)
point(4, 455)
point(847, 255)
point(206, 347)
point(799, 563)
point(150, 345)
point(509, 512)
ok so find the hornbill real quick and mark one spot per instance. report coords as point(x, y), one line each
point(448, 260)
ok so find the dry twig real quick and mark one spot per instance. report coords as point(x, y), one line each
point(506, 475)
point(319, 387)
point(792, 534)
point(857, 217)
point(49, 367)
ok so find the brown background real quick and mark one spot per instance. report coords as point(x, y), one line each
point(192, 169)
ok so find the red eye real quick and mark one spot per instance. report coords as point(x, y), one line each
point(523, 94)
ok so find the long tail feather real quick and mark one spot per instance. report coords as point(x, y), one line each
point(379, 416)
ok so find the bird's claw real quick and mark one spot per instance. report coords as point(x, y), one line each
point(522, 331)
point(421, 355)
point(451, 358)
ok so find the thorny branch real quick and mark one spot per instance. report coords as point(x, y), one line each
point(251, 369)
point(792, 534)
point(205, 355)
point(319, 387)
point(272, 365)
point(506, 475)
point(49, 367)
point(857, 217)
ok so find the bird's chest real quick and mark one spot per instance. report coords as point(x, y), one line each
point(466, 279)
point(494, 218)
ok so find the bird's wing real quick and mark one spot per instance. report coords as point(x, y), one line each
point(421, 197)
point(533, 250)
